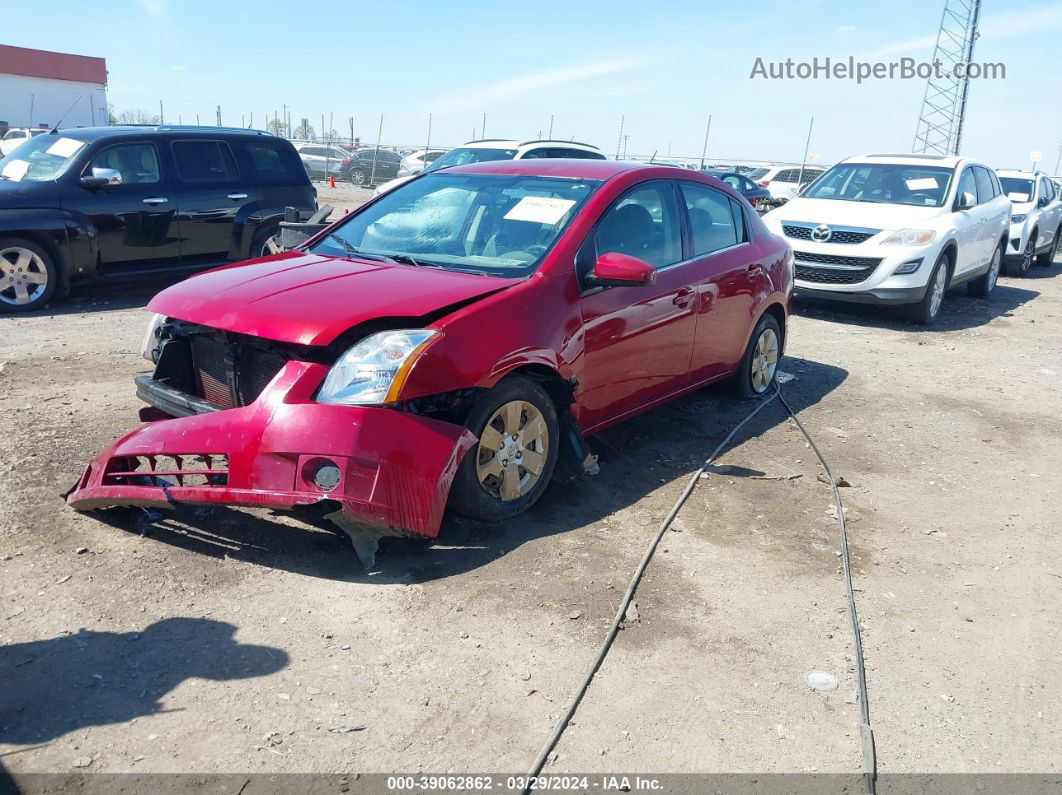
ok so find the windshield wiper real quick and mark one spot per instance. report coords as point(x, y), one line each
point(406, 259)
point(354, 250)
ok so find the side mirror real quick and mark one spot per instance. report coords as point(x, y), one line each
point(613, 269)
point(966, 200)
point(101, 177)
point(1042, 202)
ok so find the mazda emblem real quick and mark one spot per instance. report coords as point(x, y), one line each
point(821, 233)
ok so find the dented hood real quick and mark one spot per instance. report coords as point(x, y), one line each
point(310, 299)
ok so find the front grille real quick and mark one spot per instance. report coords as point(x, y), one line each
point(834, 269)
point(837, 235)
point(230, 375)
point(193, 469)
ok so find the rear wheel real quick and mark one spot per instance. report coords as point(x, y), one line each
point(758, 372)
point(359, 177)
point(925, 311)
point(508, 470)
point(265, 243)
point(983, 285)
point(1045, 259)
point(28, 276)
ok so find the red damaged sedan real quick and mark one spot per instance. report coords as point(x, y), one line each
point(449, 345)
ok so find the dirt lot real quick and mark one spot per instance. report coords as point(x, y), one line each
point(229, 640)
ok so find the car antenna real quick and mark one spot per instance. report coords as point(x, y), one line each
point(55, 129)
point(651, 159)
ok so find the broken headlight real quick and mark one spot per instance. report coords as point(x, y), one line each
point(374, 370)
point(150, 348)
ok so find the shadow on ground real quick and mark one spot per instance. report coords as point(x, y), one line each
point(959, 310)
point(57, 685)
point(635, 457)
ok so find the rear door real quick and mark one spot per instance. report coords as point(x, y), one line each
point(136, 222)
point(637, 340)
point(994, 209)
point(724, 270)
point(212, 192)
point(279, 177)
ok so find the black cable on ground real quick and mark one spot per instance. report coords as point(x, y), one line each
point(866, 734)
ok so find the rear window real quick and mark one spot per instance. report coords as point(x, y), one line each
point(273, 163)
point(204, 162)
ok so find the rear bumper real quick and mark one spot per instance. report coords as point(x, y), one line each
point(395, 468)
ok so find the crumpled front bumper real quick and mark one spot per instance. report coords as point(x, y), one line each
point(395, 468)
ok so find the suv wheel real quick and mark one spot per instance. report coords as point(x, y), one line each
point(983, 285)
point(1021, 267)
point(28, 276)
point(1045, 259)
point(358, 177)
point(265, 243)
point(519, 435)
point(925, 311)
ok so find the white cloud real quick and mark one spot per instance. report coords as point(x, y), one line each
point(993, 27)
point(480, 97)
point(156, 8)
point(844, 30)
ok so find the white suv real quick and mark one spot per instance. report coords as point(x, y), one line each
point(1034, 219)
point(502, 149)
point(897, 229)
point(17, 136)
point(784, 182)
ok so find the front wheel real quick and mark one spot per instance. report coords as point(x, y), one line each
point(508, 470)
point(1045, 259)
point(359, 178)
point(925, 311)
point(265, 242)
point(28, 276)
point(758, 372)
point(983, 285)
point(1028, 254)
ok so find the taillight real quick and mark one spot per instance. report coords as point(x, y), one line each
point(753, 201)
point(344, 161)
point(764, 183)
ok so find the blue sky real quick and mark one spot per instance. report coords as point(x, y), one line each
point(664, 66)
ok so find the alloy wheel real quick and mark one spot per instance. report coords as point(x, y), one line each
point(23, 276)
point(1028, 254)
point(357, 178)
point(940, 280)
point(764, 361)
point(993, 269)
point(512, 450)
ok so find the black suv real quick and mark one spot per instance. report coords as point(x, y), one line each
point(370, 166)
point(122, 201)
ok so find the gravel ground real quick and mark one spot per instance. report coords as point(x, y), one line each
point(226, 640)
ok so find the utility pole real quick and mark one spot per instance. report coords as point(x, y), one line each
point(625, 139)
point(376, 151)
point(483, 129)
point(807, 145)
point(549, 135)
point(352, 131)
point(704, 149)
point(1058, 160)
point(619, 141)
point(427, 144)
point(219, 115)
point(162, 115)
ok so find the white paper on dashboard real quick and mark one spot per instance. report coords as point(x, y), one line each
point(924, 183)
point(539, 209)
point(16, 169)
point(1018, 197)
point(64, 147)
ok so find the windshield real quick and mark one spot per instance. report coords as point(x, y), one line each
point(756, 173)
point(883, 183)
point(461, 157)
point(39, 159)
point(1017, 189)
point(478, 223)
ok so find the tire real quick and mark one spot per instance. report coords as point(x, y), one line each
point(1046, 258)
point(983, 285)
point(1028, 254)
point(28, 275)
point(925, 312)
point(515, 403)
point(758, 372)
point(260, 245)
point(359, 178)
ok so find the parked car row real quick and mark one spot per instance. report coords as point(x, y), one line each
point(904, 229)
point(362, 166)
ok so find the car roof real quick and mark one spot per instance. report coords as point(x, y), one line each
point(512, 143)
point(1017, 172)
point(96, 133)
point(944, 161)
point(573, 168)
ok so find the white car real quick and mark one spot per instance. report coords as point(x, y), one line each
point(784, 182)
point(1035, 218)
point(16, 136)
point(502, 149)
point(897, 229)
point(321, 160)
point(415, 162)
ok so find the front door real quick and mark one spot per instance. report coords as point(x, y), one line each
point(968, 226)
point(212, 194)
point(136, 221)
point(637, 340)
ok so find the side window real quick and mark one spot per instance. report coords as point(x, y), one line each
point(535, 154)
point(739, 222)
point(711, 219)
point(137, 163)
point(1045, 189)
point(985, 191)
point(746, 184)
point(733, 181)
point(204, 162)
point(643, 224)
point(967, 184)
point(787, 175)
point(580, 154)
point(271, 163)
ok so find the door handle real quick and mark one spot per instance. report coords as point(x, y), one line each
point(155, 200)
point(683, 297)
point(235, 196)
